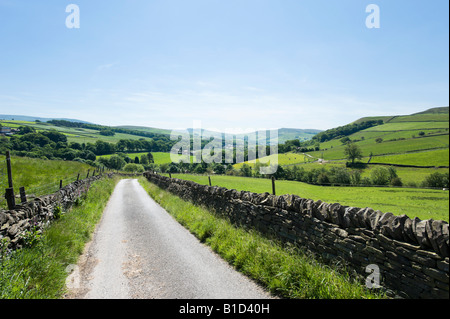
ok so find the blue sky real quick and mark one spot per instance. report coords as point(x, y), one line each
point(232, 64)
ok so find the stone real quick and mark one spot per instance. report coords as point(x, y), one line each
point(397, 225)
point(336, 210)
point(340, 232)
point(349, 217)
point(437, 274)
point(442, 265)
point(384, 220)
point(374, 218)
point(13, 230)
point(436, 237)
point(322, 212)
point(408, 232)
point(421, 235)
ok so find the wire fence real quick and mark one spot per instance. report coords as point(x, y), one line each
point(36, 190)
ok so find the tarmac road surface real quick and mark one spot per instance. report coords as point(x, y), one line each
point(140, 252)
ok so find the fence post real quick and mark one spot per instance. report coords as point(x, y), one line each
point(88, 173)
point(9, 192)
point(10, 198)
point(60, 183)
point(8, 167)
point(78, 177)
point(23, 195)
point(273, 185)
point(209, 178)
point(170, 176)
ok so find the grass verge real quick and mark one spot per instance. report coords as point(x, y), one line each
point(39, 271)
point(283, 270)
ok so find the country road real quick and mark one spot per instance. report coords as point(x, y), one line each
point(140, 252)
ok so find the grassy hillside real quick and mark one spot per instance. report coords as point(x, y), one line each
point(420, 203)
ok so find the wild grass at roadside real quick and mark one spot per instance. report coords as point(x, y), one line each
point(39, 271)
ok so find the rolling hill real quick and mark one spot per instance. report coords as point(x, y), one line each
point(417, 144)
point(406, 134)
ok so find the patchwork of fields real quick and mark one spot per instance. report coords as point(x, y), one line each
point(415, 140)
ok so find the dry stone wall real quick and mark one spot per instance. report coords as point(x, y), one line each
point(39, 212)
point(411, 254)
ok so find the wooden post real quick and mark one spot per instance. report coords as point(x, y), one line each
point(9, 193)
point(209, 178)
point(23, 196)
point(170, 175)
point(10, 198)
point(60, 183)
point(88, 173)
point(78, 177)
point(273, 185)
point(8, 167)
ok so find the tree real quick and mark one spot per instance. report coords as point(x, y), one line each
point(437, 180)
point(26, 130)
point(340, 175)
point(379, 140)
point(107, 132)
point(116, 162)
point(353, 152)
point(144, 159)
point(246, 170)
point(133, 168)
point(380, 176)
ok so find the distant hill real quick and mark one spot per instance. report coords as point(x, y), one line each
point(387, 119)
point(436, 110)
point(145, 129)
point(34, 118)
point(80, 135)
point(284, 134)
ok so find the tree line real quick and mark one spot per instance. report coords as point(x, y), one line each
point(52, 144)
point(346, 130)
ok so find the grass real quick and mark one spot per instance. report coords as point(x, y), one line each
point(39, 272)
point(41, 177)
point(285, 271)
point(407, 126)
point(427, 158)
point(422, 203)
point(282, 159)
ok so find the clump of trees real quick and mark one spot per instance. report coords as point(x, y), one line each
point(437, 180)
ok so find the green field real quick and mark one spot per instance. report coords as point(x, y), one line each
point(428, 158)
point(421, 203)
point(40, 177)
